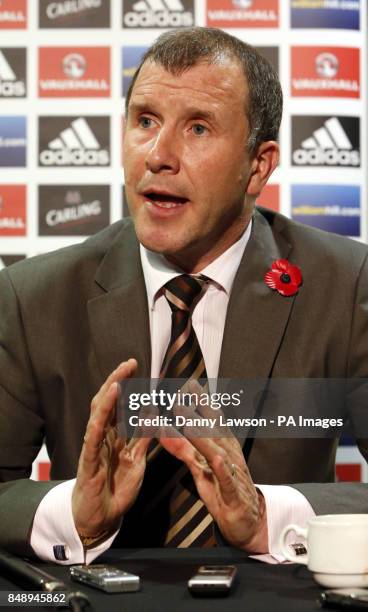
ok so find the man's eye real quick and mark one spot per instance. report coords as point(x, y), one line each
point(199, 129)
point(145, 122)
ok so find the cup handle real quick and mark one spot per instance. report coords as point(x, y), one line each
point(285, 548)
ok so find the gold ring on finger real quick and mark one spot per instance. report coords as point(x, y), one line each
point(233, 471)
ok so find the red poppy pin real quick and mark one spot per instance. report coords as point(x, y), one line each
point(284, 277)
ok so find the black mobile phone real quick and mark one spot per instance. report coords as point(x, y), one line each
point(354, 599)
point(212, 580)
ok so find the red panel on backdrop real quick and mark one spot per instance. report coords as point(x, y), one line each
point(270, 197)
point(325, 71)
point(12, 210)
point(43, 470)
point(74, 72)
point(243, 13)
point(349, 472)
point(13, 14)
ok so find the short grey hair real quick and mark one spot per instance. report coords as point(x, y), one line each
point(179, 50)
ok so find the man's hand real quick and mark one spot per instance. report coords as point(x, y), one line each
point(110, 471)
point(224, 484)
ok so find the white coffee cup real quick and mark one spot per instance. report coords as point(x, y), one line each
point(337, 546)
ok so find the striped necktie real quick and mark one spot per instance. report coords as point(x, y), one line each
point(190, 522)
point(183, 358)
point(168, 511)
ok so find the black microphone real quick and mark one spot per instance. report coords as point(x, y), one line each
point(29, 576)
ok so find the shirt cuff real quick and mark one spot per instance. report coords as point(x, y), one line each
point(54, 537)
point(284, 505)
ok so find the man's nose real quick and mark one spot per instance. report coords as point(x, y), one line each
point(163, 155)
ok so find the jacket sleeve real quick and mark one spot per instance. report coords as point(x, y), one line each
point(21, 427)
point(336, 498)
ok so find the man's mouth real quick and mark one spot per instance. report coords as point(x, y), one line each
point(164, 200)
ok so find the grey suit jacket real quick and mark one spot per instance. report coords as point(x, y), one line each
point(69, 317)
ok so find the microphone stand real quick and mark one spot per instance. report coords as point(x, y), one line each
point(28, 575)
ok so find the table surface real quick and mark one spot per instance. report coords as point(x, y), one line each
point(164, 574)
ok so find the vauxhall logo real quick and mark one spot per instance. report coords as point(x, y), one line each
point(243, 3)
point(77, 144)
point(325, 71)
point(12, 73)
point(318, 141)
point(158, 13)
point(13, 16)
point(327, 65)
point(74, 65)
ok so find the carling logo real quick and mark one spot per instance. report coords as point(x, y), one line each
point(243, 13)
point(74, 14)
point(12, 72)
point(326, 141)
point(270, 197)
point(325, 71)
point(13, 141)
point(13, 14)
point(73, 210)
point(131, 57)
point(158, 13)
point(334, 208)
point(68, 141)
point(12, 211)
point(74, 72)
point(329, 14)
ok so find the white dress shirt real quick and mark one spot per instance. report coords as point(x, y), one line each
point(53, 521)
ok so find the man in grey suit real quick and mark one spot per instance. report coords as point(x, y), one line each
point(202, 119)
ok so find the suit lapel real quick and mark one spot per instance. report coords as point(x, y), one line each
point(118, 317)
point(257, 316)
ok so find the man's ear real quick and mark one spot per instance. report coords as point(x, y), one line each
point(262, 165)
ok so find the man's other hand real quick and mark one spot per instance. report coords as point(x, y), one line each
point(110, 470)
point(225, 486)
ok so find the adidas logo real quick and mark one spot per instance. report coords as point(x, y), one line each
point(328, 146)
point(158, 5)
point(158, 14)
point(75, 146)
point(10, 87)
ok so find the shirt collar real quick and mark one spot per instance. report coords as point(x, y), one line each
point(157, 270)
